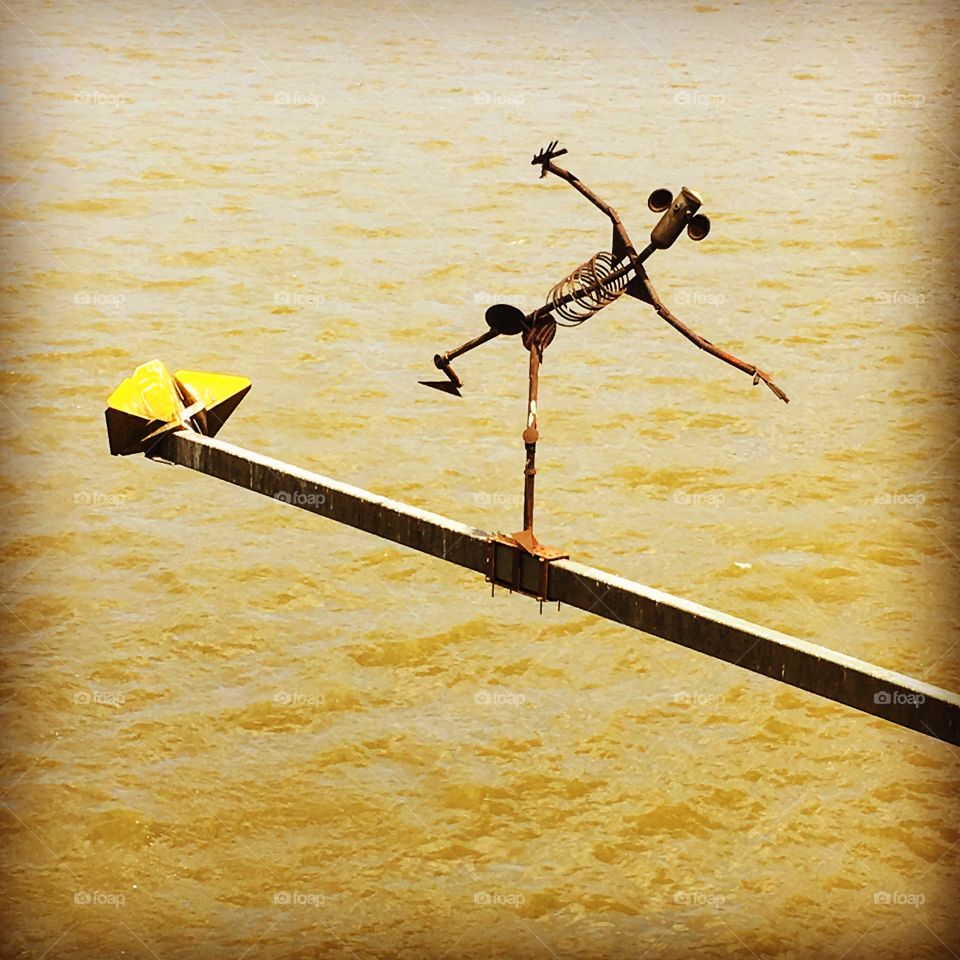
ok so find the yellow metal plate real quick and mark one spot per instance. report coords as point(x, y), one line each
point(152, 397)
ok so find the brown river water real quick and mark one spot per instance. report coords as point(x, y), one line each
point(233, 729)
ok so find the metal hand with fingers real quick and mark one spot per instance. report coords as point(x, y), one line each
point(583, 292)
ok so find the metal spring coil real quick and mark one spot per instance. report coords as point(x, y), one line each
point(585, 290)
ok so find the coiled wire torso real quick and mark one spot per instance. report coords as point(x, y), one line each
point(587, 289)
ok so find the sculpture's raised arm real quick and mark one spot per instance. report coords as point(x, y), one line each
point(544, 159)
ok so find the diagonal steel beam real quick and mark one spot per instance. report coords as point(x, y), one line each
point(871, 689)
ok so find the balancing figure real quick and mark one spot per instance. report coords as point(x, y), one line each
point(578, 296)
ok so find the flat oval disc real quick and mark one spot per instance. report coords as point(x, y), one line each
point(505, 319)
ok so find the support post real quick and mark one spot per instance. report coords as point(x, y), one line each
point(530, 437)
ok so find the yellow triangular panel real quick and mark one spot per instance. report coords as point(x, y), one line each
point(150, 393)
point(220, 394)
point(138, 410)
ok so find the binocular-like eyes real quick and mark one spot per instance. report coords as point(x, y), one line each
point(698, 227)
point(659, 200)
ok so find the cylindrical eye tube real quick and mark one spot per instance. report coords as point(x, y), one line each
point(671, 224)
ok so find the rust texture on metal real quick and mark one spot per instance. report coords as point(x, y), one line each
point(401, 523)
point(586, 290)
point(520, 571)
point(601, 280)
point(864, 686)
point(524, 541)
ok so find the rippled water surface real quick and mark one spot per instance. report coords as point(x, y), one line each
point(237, 730)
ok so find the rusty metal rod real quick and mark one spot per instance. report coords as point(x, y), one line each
point(619, 229)
point(709, 347)
point(443, 359)
point(530, 437)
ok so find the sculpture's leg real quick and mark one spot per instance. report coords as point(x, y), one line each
point(520, 561)
point(442, 362)
point(530, 437)
point(525, 538)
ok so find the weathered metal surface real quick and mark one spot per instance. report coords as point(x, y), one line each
point(588, 288)
point(581, 294)
point(524, 541)
point(871, 689)
point(836, 676)
point(602, 279)
point(520, 567)
point(409, 526)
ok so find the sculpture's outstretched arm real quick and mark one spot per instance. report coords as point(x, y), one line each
point(704, 344)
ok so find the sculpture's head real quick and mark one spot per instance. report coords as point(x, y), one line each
point(678, 212)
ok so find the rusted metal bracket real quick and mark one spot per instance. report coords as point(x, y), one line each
point(521, 564)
